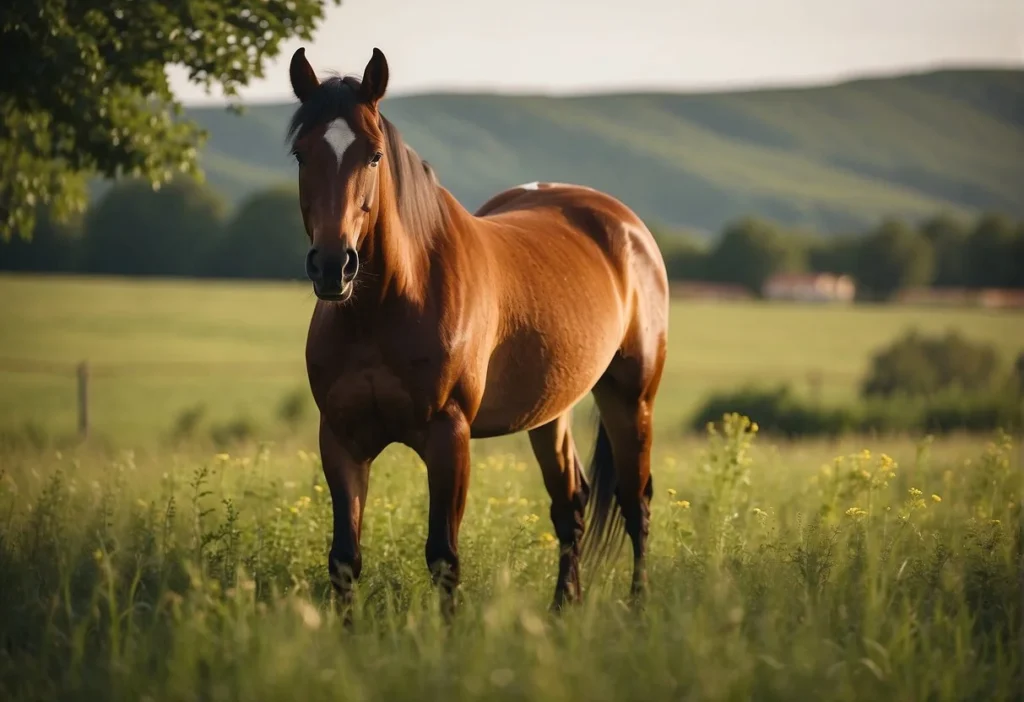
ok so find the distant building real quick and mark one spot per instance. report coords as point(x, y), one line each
point(810, 287)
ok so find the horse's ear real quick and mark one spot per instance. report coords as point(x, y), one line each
point(304, 80)
point(375, 77)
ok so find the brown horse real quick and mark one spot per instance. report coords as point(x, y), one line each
point(434, 326)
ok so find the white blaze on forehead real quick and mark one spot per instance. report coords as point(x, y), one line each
point(339, 136)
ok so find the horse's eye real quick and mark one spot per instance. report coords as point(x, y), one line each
point(376, 158)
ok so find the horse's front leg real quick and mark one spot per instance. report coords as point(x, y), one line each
point(348, 479)
point(446, 455)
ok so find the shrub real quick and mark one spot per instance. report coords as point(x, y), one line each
point(917, 365)
point(294, 407)
point(778, 411)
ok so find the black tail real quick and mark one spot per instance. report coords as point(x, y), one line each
point(604, 534)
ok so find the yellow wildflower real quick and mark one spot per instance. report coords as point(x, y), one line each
point(671, 492)
point(683, 504)
point(318, 488)
point(936, 498)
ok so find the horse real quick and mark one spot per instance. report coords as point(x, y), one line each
point(434, 326)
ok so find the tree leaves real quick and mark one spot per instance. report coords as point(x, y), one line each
point(85, 92)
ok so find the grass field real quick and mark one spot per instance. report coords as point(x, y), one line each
point(131, 569)
point(777, 573)
point(159, 348)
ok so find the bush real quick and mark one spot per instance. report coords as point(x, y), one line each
point(778, 411)
point(916, 365)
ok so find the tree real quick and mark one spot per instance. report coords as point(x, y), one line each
point(948, 237)
point(991, 251)
point(265, 238)
point(750, 251)
point(892, 257)
point(686, 258)
point(84, 90)
point(134, 230)
point(55, 246)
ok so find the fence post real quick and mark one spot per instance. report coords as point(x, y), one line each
point(83, 399)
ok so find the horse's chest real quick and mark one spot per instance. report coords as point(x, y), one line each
point(366, 402)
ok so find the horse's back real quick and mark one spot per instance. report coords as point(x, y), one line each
point(534, 210)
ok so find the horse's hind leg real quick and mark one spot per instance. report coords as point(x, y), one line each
point(625, 399)
point(563, 477)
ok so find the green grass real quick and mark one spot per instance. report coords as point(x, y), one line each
point(776, 573)
point(138, 334)
point(136, 569)
point(832, 158)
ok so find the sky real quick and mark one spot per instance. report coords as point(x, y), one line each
point(560, 47)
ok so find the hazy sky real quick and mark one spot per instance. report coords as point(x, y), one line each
point(567, 46)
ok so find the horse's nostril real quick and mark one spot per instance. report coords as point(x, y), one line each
point(312, 270)
point(351, 264)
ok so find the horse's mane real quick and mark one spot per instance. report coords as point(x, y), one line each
point(419, 204)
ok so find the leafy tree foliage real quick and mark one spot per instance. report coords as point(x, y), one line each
point(947, 235)
point(752, 250)
point(134, 230)
point(892, 257)
point(54, 247)
point(84, 90)
point(264, 239)
point(991, 252)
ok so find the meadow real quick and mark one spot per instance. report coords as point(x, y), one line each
point(160, 349)
point(133, 568)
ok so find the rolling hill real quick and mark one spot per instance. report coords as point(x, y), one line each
point(831, 158)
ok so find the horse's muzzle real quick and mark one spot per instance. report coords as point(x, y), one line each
point(331, 273)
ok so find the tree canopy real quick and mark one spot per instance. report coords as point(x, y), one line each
point(264, 239)
point(134, 230)
point(751, 250)
point(84, 90)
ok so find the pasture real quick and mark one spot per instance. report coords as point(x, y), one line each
point(159, 348)
point(844, 572)
point(133, 569)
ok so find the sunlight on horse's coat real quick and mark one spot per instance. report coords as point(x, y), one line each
point(530, 186)
point(339, 136)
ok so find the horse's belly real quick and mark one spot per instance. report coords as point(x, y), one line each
point(532, 379)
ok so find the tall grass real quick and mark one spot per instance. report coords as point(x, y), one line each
point(772, 577)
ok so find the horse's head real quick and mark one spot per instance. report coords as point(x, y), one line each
point(339, 144)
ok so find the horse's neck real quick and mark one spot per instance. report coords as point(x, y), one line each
point(405, 254)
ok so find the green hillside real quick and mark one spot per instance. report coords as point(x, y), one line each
point(831, 158)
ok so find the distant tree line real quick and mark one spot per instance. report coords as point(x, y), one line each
point(186, 229)
point(179, 230)
point(942, 251)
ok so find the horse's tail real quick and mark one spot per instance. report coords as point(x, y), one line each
point(604, 533)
